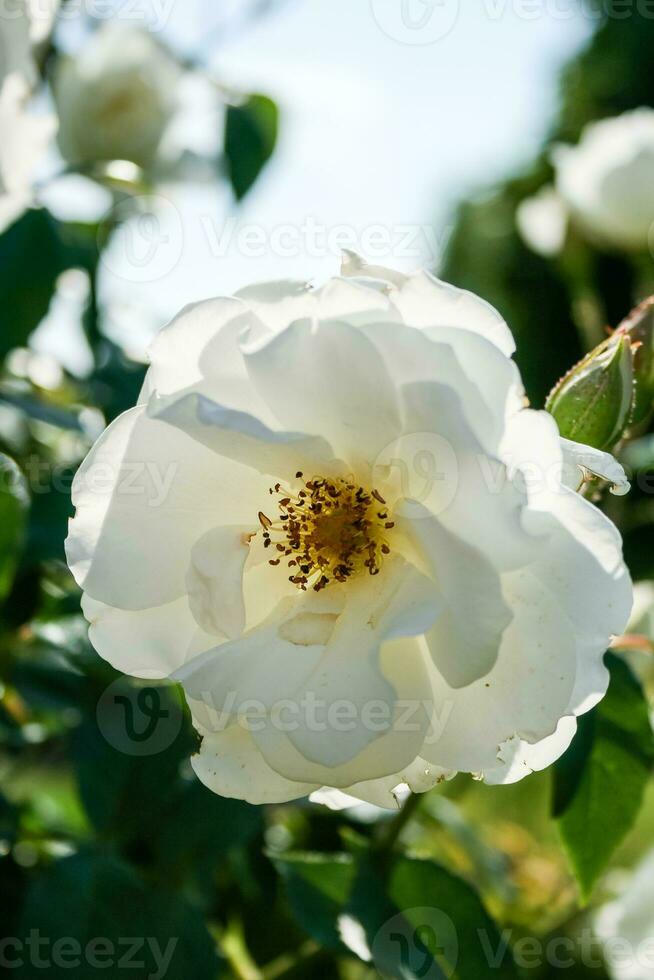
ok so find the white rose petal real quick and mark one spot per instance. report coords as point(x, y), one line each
point(350, 541)
point(230, 764)
point(582, 462)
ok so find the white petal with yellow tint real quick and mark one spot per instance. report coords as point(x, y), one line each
point(230, 764)
point(524, 695)
point(143, 496)
point(581, 462)
point(465, 640)
point(329, 379)
point(241, 437)
point(149, 643)
point(215, 580)
point(393, 733)
point(425, 301)
point(519, 759)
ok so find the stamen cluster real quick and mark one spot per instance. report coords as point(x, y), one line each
point(329, 530)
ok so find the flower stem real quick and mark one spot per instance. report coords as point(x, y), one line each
point(289, 961)
point(391, 831)
point(236, 953)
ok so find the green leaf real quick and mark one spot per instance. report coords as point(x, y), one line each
point(13, 509)
point(31, 255)
point(127, 753)
point(213, 825)
point(94, 896)
point(388, 938)
point(250, 137)
point(318, 887)
point(51, 510)
point(8, 821)
point(451, 921)
point(599, 783)
point(45, 679)
point(421, 922)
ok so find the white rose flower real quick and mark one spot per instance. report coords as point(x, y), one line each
point(25, 137)
point(607, 180)
point(116, 99)
point(626, 927)
point(24, 24)
point(16, 44)
point(42, 14)
point(332, 518)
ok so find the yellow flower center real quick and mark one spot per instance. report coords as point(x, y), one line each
point(329, 530)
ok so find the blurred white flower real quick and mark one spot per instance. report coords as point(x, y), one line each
point(42, 14)
point(25, 137)
point(116, 98)
point(24, 24)
point(637, 643)
point(16, 44)
point(642, 614)
point(626, 927)
point(543, 222)
point(607, 180)
point(332, 518)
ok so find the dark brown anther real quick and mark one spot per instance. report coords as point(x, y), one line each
point(331, 528)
